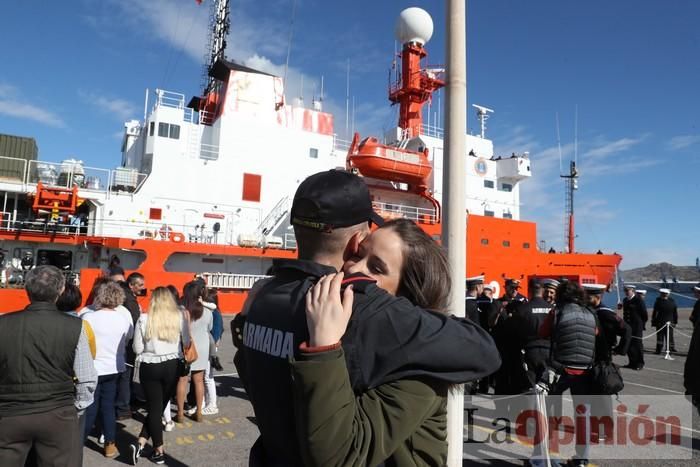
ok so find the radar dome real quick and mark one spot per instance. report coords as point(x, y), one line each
point(414, 25)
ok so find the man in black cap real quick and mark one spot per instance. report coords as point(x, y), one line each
point(549, 291)
point(665, 311)
point(387, 338)
point(634, 313)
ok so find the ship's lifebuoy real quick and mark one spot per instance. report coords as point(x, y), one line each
point(177, 237)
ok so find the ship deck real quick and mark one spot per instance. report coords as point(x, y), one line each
point(224, 439)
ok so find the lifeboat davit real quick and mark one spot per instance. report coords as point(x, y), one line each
point(377, 160)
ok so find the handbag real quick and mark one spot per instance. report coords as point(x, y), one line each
point(607, 378)
point(190, 352)
point(183, 367)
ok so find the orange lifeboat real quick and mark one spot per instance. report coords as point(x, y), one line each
point(384, 162)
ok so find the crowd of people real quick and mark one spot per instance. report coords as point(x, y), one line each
point(347, 353)
point(70, 372)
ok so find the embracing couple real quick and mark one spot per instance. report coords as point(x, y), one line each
point(347, 353)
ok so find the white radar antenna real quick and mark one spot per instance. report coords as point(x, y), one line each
point(482, 113)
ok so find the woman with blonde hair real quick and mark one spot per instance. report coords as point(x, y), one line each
point(158, 340)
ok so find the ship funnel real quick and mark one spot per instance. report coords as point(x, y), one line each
point(414, 25)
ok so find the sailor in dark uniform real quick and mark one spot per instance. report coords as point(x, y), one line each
point(635, 314)
point(695, 314)
point(526, 323)
point(665, 311)
point(611, 324)
point(488, 308)
point(475, 286)
point(511, 377)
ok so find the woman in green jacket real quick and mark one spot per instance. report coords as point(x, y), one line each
point(402, 423)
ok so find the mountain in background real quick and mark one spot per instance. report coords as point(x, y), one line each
point(657, 271)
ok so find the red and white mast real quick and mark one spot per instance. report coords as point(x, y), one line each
point(413, 86)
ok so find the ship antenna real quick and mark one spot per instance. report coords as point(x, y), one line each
point(571, 184)
point(347, 102)
point(559, 144)
point(289, 43)
point(219, 25)
point(576, 134)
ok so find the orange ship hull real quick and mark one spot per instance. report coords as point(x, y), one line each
point(496, 247)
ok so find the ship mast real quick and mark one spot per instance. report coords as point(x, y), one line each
point(414, 86)
point(570, 185)
point(219, 24)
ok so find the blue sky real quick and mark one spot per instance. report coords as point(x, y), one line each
point(73, 71)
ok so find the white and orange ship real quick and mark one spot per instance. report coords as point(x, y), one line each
point(205, 186)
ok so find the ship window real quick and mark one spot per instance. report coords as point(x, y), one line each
point(167, 130)
point(484, 241)
point(506, 243)
point(526, 245)
point(313, 153)
point(251, 187)
point(489, 213)
point(488, 183)
point(507, 215)
point(151, 128)
point(155, 214)
point(506, 187)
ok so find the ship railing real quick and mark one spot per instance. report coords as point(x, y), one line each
point(341, 145)
point(397, 211)
point(432, 130)
point(290, 241)
point(41, 226)
point(209, 152)
point(62, 175)
point(206, 118)
point(171, 99)
point(223, 280)
point(13, 170)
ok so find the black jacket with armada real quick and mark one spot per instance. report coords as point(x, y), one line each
point(387, 339)
point(37, 352)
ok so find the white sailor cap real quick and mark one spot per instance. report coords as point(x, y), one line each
point(551, 283)
point(595, 289)
point(475, 280)
point(488, 287)
point(630, 286)
point(696, 288)
point(664, 291)
point(641, 291)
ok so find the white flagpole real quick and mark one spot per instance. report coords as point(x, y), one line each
point(454, 229)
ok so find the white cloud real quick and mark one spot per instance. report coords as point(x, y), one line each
point(120, 108)
point(684, 141)
point(612, 147)
point(13, 105)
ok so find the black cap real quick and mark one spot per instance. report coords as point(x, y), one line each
point(330, 199)
point(513, 283)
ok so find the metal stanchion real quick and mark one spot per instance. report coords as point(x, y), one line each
point(668, 342)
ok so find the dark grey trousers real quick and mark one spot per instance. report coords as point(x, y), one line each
point(54, 435)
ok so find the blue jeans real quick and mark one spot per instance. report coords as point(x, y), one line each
point(105, 397)
point(123, 403)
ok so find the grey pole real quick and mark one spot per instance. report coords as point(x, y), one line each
point(454, 227)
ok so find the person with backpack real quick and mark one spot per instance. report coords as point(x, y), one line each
point(572, 329)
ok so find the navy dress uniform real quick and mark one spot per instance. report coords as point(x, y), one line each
point(695, 315)
point(475, 286)
point(665, 311)
point(634, 312)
